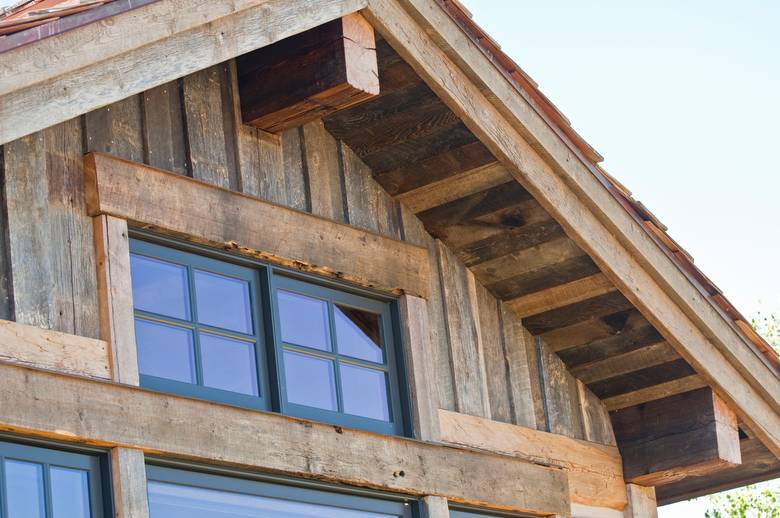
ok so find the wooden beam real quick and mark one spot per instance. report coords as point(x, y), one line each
point(566, 316)
point(309, 75)
point(37, 347)
point(690, 434)
point(595, 471)
point(128, 478)
point(662, 390)
point(69, 408)
point(454, 187)
point(103, 63)
point(508, 124)
point(115, 294)
point(562, 295)
point(204, 213)
point(655, 354)
point(641, 502)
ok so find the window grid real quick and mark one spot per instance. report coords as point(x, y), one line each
point(48, 459)
point(268, 346)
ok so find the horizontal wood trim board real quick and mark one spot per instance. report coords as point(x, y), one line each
point(204, 213)
point(29, 345)
point(456, 70)
point(595, 471)
point(71, 408)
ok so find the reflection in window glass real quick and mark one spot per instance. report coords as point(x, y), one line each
point(69, 492)
point(165, 351)
point(310, 381)
point(24, 489)
point(177, 501)
point(304, 320)
point(160, 287)
point(357, 334)
point(228, 364)
point(223, 302)
point(364, 392)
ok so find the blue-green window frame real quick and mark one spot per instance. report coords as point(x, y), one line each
point(92, 462)
point(193, 261)
point(264, 281)
point(284, 489)
point(389, 366)
point(467, 512)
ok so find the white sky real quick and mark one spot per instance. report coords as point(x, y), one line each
point(683, 101)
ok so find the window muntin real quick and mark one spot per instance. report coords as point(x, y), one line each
point(38, 482)
point(249, 334)
point(175, 493)
point(346, 366)
point(198, 331)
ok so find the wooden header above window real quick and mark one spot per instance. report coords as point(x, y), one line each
point(202, 213)
point(309, 75)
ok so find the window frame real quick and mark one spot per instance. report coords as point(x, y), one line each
point(282, 488)
point(39, 452)
point(471, 512)
point(270, 367)
point(195, 261)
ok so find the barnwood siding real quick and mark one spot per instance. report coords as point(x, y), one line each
point(483, 361)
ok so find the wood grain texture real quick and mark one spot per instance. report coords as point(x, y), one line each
point(115, 296)
point(596, 423)
point(625, 363)
point(290, 188)
point(435, 507)
point(204, 33)
point(561, 395)
point(653, 392)
point(209, 126)
point(164, 140)
point(463, 337)
point(595, 471)
point(117, 129)
point(45, 404)
point(493, 355)
point(128, 478)
point(49, 232)
point(641, 502)
point(592, 216)
point(524, 375)
point(46, 349)
point(576, 313)
point(562, 295)
point(419, 359)
point(323, 172)
point(208, 214)
point(414, 233)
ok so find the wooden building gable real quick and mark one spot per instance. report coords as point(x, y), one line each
point(552, 331)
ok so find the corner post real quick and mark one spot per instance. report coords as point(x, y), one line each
point(641, 502)
point(435, 507)
point(128, 473)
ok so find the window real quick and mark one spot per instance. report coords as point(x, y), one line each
point(249, 334)
point(175, 493)
point(473, 513)
point(39, 482)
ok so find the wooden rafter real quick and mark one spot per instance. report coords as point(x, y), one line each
point(562, 295)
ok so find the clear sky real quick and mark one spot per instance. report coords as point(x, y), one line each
point(682, 98)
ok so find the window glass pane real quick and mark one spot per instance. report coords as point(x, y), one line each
point(357, 334)
point(223, 301)
point(228, 364)
point(160, 287)
point(175, 501)
point(310, 381)
point(69, 493)
point(304, 320)
point(165, 351)
point(24, 489)
point(364, 392)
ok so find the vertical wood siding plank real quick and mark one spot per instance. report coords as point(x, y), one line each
point(496, 365)
point(207, 145)
point(259, 154)
point(524, 385)
point(163, 128)
point(418, 356)
point(128, 480)
point(561, 396)
point(641, 502)
point(322, 167)
point(291, 182)
point(115, 296)
point(435, 507)
point(597, 426)
point(462, 333)
point(6, 294)
point(414, 232)
point(471, 282)
point(50, 236)
point(116, 129)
